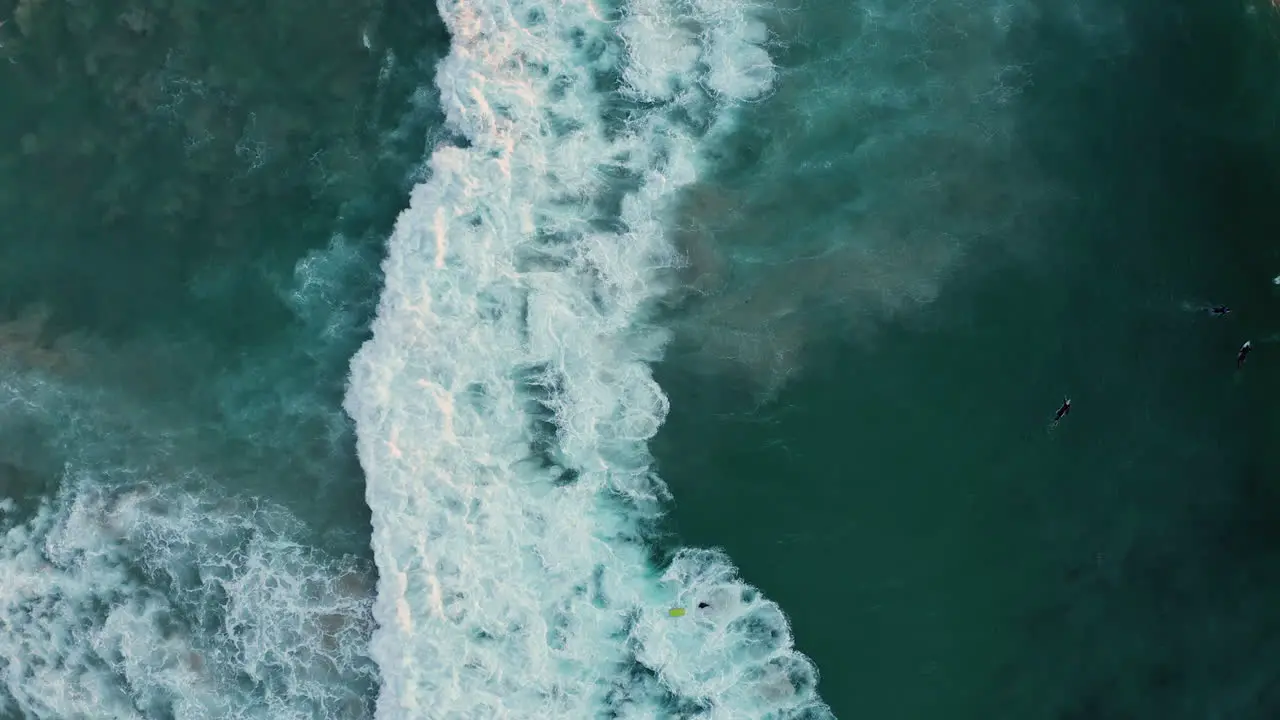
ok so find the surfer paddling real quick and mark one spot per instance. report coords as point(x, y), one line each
point(1245, 349)
point(1062, 412)
point(1219, 311)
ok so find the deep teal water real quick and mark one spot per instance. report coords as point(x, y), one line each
point(940, 552)
point(194, 196)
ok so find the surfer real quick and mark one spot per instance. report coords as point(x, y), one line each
point(680, 612)
point(1219, 310)
point(1244, 353)
point(1062, 411)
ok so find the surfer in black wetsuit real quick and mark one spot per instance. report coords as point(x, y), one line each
point(1219, 310)
point(1062, 411)
point(1244, 353)
point(703, 606)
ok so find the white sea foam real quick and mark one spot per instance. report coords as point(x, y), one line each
point(139, 591)
point(142, 604)
point(505, 401)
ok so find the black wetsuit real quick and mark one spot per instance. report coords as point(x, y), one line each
point(1244, 353)
point(1062, 411)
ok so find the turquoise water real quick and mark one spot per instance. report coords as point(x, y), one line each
point(330, 335)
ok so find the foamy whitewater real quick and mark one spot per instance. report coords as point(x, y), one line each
point(504, 404)
point(137, 593)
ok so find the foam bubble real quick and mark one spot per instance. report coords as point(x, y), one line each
point(504, 403)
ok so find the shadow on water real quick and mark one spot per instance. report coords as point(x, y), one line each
point(941, 554)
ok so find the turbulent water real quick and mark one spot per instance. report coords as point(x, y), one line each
point(505, 400)
point(328, 335)
point(190, 221)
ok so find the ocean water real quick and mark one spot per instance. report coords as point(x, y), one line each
point(191, 219)
point(939, 550)
point(389, 360)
